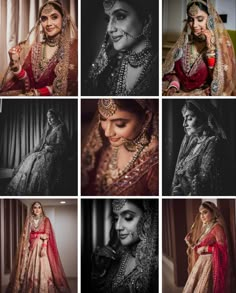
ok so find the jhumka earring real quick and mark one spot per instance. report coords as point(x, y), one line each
point(141, 140)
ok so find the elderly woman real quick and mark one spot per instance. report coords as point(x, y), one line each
point(48, 67)
point(41, 172)
point(202, 62)
point(120, 154)
point(199, 168)
point(127, 62)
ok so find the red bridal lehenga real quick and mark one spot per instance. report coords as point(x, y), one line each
point(209, 272)
point(192, 70)
point(140, 178)
point(35, 273)
point(59, 72)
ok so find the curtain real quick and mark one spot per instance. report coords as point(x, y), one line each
point(22, 123)
point(17, 18)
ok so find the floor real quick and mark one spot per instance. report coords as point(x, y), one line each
point(168, 285)
point(72, 283)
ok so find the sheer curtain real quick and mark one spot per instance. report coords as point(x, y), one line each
point(17, 17)
point(22, 123)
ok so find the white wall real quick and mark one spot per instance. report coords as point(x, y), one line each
point(227, 7)
point(64, 222)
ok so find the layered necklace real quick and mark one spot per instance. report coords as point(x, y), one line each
point(135, 60)
point(113, 171)
point(36, 221)
point(51, 42)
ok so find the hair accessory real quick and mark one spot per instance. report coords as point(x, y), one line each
point(107, 107)
point(197, 1)
point(194, 9)
point(48, 8)
point(118, 204)
point(108, 4)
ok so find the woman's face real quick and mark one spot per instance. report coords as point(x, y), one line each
point(52, 120)
point(124, 25)
point(51, 21)
point(197, 20)
point(121, 126)
point(37, 209)
point(190, 122)
point(206, 215)
point(126, 221)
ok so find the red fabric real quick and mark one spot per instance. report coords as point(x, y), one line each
point(196, 80)
point(21, 74)
point(44, 91)
point(54, 258)
point(217, 245)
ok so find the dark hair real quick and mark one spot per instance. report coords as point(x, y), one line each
point(200, 5)
point(131, 106)
point(207, 205)
point(201, 115)
point(53, 112)
point(31, 209)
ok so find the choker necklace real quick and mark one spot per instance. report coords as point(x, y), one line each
point(139, 59)
point(52, 42)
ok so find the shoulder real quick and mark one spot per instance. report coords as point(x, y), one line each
point(218, 228)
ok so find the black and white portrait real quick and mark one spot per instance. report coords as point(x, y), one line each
point(119, 245)
point(199, 147)
point(38, 147)
point(119, 48)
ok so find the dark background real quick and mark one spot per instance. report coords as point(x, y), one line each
point(173, 133)
point(93, 30)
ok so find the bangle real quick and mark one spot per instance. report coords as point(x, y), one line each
point(21, 74)
point(174, 84)
point(44, 245)
point(44, 91)
point(211, 59)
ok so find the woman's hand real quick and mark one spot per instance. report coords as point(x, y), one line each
point(14, 54)
point(43, 251)
point(210, 39)
point(171, 91)
point(202, 250)
point(102, 259)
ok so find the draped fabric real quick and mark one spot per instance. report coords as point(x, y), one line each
point(17, 17)
point(209, 275)
point(143, 278)
point(22, 123)
point(34, 272)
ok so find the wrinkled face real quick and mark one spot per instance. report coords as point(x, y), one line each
point(52, 120)
point(37, 209)
point(120, 126)
point(206, 215)
point(124, 25)
point(190, 122)
point(51, 21)
point(126, 221)
point(197, 20)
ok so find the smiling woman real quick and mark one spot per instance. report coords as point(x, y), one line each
point(127, 62)
point(202, 62)
point(128, 263)
point(45, 65)
point(120, 155)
